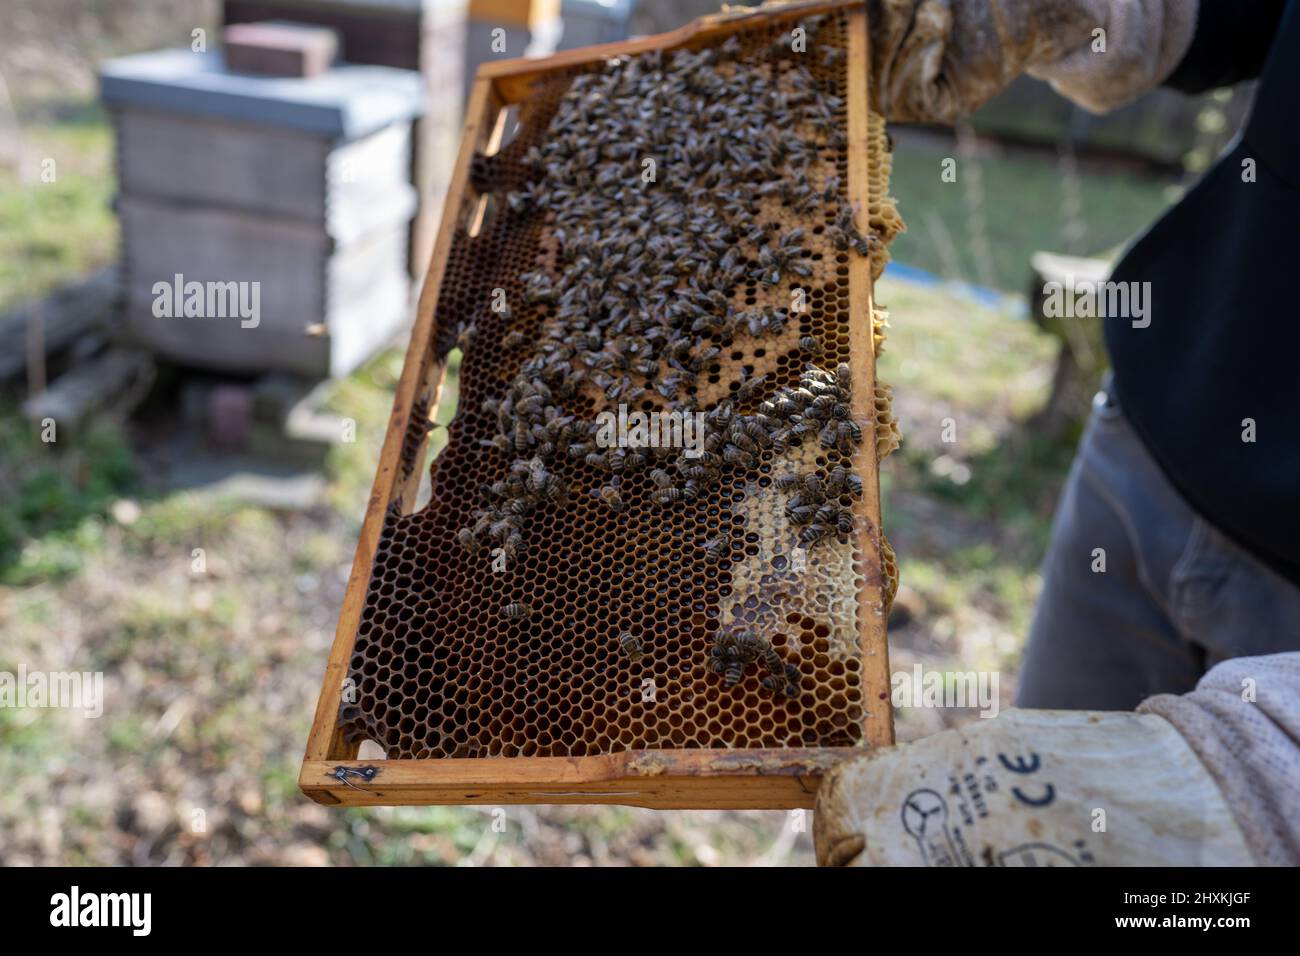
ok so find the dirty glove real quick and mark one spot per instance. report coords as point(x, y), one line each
point(938, 60)
point(1030, 788)
point(1211, 776)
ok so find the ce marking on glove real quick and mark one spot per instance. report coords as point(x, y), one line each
point(1029, 765)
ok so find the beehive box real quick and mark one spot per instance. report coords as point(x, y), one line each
point(299, 187)
point(472, 704)
point(426, 36)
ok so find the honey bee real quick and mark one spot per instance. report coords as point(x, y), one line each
point(468, 540)
point(516, 611)
point(821, 408)
point(715, 549)
point(845, 235)
point(465, 338)
point(737, 456)
point(779, 673)
point(750, 387)
point(827, 515)
point(738, 437)
point(630, 645)
point(530, 406)
point(537, 288)
point(800, 514)
point(810, 345)
point(555, 491)
point(702, 360)
point(610, 496)
point(785, 683)
point(537, 475)
point(522, 201)
point(501, 528)
point(749, 645)
point(787, 256)
point(511, 545)
point(757, 428)
point(667, 496)
point(813, 533)
point(841, 481)
point(788, 483)
point(765, 321)
point(668, 386)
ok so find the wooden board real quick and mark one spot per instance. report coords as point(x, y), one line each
point(680, 778)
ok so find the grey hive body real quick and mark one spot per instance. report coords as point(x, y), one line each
point(300, 185)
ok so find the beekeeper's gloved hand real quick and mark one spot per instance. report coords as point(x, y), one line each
point(938, 60)
point(1206, 778)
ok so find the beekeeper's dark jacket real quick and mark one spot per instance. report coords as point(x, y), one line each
point(1222, 351)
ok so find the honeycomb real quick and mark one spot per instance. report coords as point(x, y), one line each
point(455, 659)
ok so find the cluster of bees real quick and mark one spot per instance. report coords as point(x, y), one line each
point(734, 651)
point(528, 486)
point(821, 404)
point(653, 178)
point(814, 503)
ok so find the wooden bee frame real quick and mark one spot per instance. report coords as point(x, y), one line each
point(747, 778)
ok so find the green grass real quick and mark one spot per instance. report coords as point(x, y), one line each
point(969, 518)
point(53, 495)
point(946, 349)
point(1022, 208)
point(56, 225)
point(53, 232)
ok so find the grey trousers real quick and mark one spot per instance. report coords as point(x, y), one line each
point(1175, 596)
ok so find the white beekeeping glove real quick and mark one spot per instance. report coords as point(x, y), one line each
point(1030, 788)
point(938, 60)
